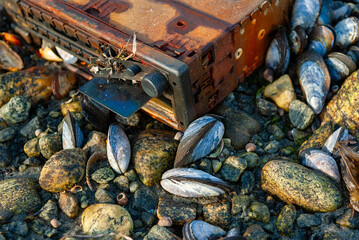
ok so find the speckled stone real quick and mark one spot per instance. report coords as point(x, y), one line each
point(5, 156)
point(19, 228)
point(29, 129)
point(216, 165)
point(153, 153)
point(259, 212)
point(49, 211)
point(272, 147)
point(348, 220)
point(252, 159)
point(205, 165)
point(332, 236)
point(50, 144)
point(247, 182)
point(266, 108)
point(294, 183)
point(103, 175)
point(16, 110)
point(218, 213)
point(145, 199)
point(96, 142)
point(255, 232)
point(63, 170)
point(159, 233)
point(132, 120)
point(179, 212)
point(148, 218)
point(286, 219)
point(104, 195)
point(74, 107)
point(275, 131)
point(69, 204)
point(122, 183)
point(300, 114)
point(308, 220)
point(7, 134)
point(232, 168)
point(19, 195)
point(240, 203)
point(32, 148)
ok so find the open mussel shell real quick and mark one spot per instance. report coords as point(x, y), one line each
point(339, 65)
point(347, 31)
point(200, 138)
point(314, 79)
point(353, 53)
point(66, 56)
point(326, 12)
point(322, 39)
point(322, 162)
point(118, 148)
point(277, 57)
point(9, 59)
point(72, 136)
point(95, 113)
point(305, 14)
point(189, 182)
point(201, 230)
point(298, 40)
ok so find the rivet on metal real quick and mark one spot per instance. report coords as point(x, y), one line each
point(242, 31)
point(254, 21)
point(238, 53)
point(261, 34)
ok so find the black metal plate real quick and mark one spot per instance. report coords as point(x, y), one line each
point(124, 98)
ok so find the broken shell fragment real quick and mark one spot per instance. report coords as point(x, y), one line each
point(189, 182)
point(314, 79)
point(72, 136)
point(339, 66)
point(326, 12)
point(347, 31)
point(322, 39)
point(9, 59)
point(200, 138)
point(67, 57)
point(49, 55)
point(118, 148)
point(63, 83)
point(197, 230)
point(305, 14)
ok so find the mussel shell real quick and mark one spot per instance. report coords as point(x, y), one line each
point(353, 53)
point(347, 31)
point(9, 59)
point(66, 56)
point(314, 79)
point(95, 113)
point(278, 54)
point(339, 65)
point(322, 39)
point(200, 138)
point(72, 136)
point(201, 230)
point(63, 83)
point(305, 14)
point(326, 12)
point(118, 148)
point(341, 12)
point(189, 182)
point(322, 162)
point(298, 40)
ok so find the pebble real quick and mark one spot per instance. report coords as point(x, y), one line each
point(159, 233)
point(55, 223)
point(332, 236)
point(259, 212)
point(73, 106)
point(63, 170)
point(29, 129)
point(218, 213)
point(148, 218)
point(240, 204)
point(22, 167)
point(103, 175)
point(16, 110)
point(38, 226)
point(84, 201)
point(294, 183)
point(308, 220)
point(165, 222)
point(252, 159)
point(153, 153)
point(232, 168)
point(104, 195)
point(132, 120)
point(32, 161)
point(138, 224)
point(281, 91)
point(7, 134)
point(205, 165)
point(145, 199)
point(239, 126)
point(54, 114)
point(5, 216)
point(131, 175)
point(250, 147)
point(272, 147)
point(266, 108)
point(134, 186)
point(348, 220)
point(247, 182)
point(19, 228)
point(216, 165)
point(5, 156)
point(275, 131)
point(286, 219)
point(96, 142)
point(122, 182)
point(50, 144)
point(19, 195)
point(49, 210)
point(32, 148)
point(69, 204)
point(255, 232)
point(99, 218)
point(179, 212)
point(300, 114)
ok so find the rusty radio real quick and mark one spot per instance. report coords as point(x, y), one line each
point(174, 59)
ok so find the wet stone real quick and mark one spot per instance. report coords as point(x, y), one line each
point(50, 144)
point(247, 182)
point(332, 236)
point(159, 233)
point(240, 203)
point(132, 120)
point(145, 199)
point(16, 110)
point(38, 226)
point(32, 161)
point(275, 131)
point(179, 212)
point(49, 211)
point(96, 142)
point(131, 175)
point(148, 218)
point(252, 159)
point(218, 213)
point(286, 219)
point(103, 195)
point(300, 114)
point(232, 168)
point(7, 134)
point(32, 148)
point(205, 165)
point(69, 204)
point(5, 216)
point(54, 114)
point(103, 175)
point(255, 232)
point(348, 220)
point(29, 129)
point(266, 108)
point(19, 228)
point(5, 156)
point(259, 212)
point(134, 186)
point(74, 107)
point(216, 165)
point(122, 183)
point(272, 147)
point(308, 220)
